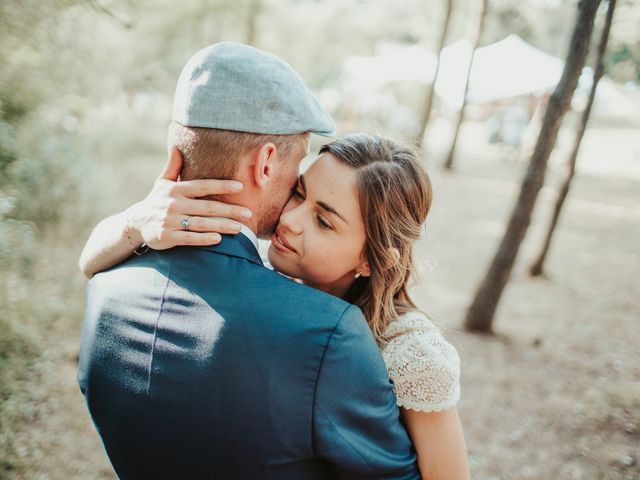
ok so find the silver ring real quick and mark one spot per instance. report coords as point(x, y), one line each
point(185, 222)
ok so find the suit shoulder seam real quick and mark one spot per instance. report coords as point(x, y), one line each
point(155, 327)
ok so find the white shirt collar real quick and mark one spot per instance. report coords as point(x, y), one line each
point(250, 235)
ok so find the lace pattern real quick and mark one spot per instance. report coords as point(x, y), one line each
point(424, 367)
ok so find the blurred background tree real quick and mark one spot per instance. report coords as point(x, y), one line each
point(482, 310)
point(537, 266)
point(431, 93)
point(477, 19)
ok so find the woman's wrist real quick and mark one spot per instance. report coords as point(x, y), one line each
point(132, 231)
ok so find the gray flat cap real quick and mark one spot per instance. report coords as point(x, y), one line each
point(232, 86)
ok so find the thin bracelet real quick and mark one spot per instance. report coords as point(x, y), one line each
point(142, 249)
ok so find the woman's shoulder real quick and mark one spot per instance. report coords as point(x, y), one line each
point(413, 320)
point(414, 337)
point(424, 367)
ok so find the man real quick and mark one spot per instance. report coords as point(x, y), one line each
point(199, 362)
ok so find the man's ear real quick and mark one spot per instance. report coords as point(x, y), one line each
point(173, 166)
point(263, 166)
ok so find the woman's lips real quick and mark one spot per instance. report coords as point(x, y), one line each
point(281, 244)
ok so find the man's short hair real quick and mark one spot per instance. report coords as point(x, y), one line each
point(216, 153)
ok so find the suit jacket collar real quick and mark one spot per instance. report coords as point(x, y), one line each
point(237, 246)
point(247, 232)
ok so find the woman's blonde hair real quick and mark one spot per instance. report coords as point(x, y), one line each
point(395, 197)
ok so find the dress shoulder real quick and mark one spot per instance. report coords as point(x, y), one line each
point(424, 367)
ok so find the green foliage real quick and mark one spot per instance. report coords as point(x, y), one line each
point(37, 185)
point(7, 153)
point(17, 354)
point(622, 61)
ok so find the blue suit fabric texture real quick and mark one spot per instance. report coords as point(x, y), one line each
point(199, 362)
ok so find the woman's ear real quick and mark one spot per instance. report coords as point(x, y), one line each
point(363, 269)
point(264, 164)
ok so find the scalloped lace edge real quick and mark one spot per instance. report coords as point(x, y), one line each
point(426, 408)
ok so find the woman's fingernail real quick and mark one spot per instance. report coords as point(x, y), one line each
point(237, 226)
point(246, 213)
point(216, 237)
point(236, 186)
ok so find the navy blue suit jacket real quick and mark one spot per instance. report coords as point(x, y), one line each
point(199, 362)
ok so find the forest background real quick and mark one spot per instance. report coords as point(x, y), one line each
point(85, 98)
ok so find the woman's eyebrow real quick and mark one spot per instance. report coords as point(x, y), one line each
point(330, 209)
point(322, 205)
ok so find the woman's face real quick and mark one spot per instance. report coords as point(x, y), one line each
point(320, 237)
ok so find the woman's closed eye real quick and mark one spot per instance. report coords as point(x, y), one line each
point(298, 196)
point(324, 224)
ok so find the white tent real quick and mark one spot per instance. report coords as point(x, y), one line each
point(609, 99)
point(393, 62)
point(503, 69)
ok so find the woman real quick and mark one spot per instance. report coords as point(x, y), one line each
point(348, 229)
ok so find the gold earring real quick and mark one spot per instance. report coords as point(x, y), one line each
point(357, 275)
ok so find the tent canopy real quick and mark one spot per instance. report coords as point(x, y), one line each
point(504, 69)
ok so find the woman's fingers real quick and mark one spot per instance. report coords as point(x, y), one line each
point(209, 224)
point(194, 238)
point(211, 208)
point(203, 188)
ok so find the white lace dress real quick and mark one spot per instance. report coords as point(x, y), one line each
point(424, 367)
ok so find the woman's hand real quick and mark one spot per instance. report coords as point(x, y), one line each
point(157, 220)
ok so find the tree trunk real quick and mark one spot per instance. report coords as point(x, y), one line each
point(537, 266)
point(482, 310)
point(252, 20)
point(424, 121)
point(477, 34)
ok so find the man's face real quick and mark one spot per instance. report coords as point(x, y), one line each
point(284, 181)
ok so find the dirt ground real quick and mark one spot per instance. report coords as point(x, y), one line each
point(555, 394)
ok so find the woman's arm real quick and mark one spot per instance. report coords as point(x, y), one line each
point(156, 220)
point(439, 442)
point(107, 245)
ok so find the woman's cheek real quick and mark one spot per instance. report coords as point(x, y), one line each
point(324, 254)
point(318, 260)
point(334, 265)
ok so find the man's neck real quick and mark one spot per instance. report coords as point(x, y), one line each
point(250, 223)
point(250, 234)
point(244, 199)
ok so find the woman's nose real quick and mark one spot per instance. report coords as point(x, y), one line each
point(290, 219)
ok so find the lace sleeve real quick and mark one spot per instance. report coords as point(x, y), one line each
point(425, 370)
